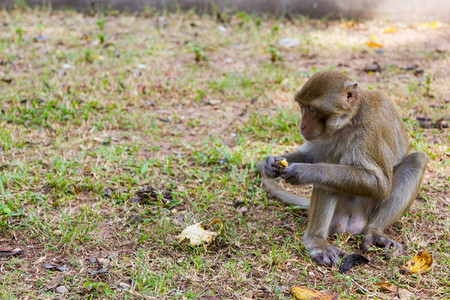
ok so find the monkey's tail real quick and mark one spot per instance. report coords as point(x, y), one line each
point(276, 190)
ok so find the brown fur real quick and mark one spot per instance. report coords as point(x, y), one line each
point(358, 158)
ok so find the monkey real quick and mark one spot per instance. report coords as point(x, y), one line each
point(357, 156)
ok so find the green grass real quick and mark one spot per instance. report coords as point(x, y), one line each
point(97, 107)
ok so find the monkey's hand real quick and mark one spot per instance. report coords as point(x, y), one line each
point(377, 239)
point(296, 174)
point(271, 166)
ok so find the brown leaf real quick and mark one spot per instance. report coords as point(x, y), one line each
point(56, 282)
point(9, 253)
point(61, 268)
point(425, 122)
point(420, 263)
point(387, 287)
point(428, 123)
point(255, 273)
point(405, 294)
point(99, 271)
point(151, 194)
point(441, 123)
point(304, 293)
point(7, 79)
point(86, 36)
point(375, 67)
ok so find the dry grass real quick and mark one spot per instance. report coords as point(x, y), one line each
point(95, 108)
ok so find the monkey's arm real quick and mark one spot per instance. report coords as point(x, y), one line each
point(353, 180)
point(296, 156)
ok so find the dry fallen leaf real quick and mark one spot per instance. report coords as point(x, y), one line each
point(390, 30)
point(349, 24)
point(99, 271)
point(432, 25)
point(9, 253)
point(197, 234)
point(420, 263)
point(374, 67)
point(404, 294)
point(387, 286)
point(373, 44)
point(304, 293)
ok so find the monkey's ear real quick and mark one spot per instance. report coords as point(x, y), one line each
point(352, 93)
point(350, 85)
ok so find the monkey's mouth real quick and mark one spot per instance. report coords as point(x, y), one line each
point(310, 136)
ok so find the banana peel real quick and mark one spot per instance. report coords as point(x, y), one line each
point(198, 234)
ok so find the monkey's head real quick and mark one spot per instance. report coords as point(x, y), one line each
point(328, 101)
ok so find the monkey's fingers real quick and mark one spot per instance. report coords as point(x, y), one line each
point(378, 240)
point(271, 168)
point(290, 175)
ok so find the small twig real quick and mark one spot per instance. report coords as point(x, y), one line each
point(136, 294)
point(361, 287)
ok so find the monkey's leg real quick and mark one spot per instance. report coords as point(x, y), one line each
point(405, 187)
point(322, 207)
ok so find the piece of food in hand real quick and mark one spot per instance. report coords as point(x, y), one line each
point(282, 162)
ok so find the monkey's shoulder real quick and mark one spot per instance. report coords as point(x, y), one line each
point(377, 98)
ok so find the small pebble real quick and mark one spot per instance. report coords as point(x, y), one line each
point(62, 290)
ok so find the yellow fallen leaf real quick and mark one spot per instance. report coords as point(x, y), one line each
point(304, 293)
point(436, 25)
point(374, 44)
point(349, 24)
point(197, 234)
point(390, 30)
point(420, 263)
point(387, 286)
point(373, 37)
point(432, 25)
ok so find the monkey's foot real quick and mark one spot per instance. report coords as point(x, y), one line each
point(382, 241)
point(327, 255)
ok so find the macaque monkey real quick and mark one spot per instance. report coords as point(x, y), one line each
point(357, 156)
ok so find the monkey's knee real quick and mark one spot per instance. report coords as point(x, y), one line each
point(417, 160)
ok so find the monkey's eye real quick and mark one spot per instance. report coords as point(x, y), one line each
point(349, 95)
point(311, 109)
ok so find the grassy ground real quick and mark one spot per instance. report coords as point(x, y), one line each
point(96, 108)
